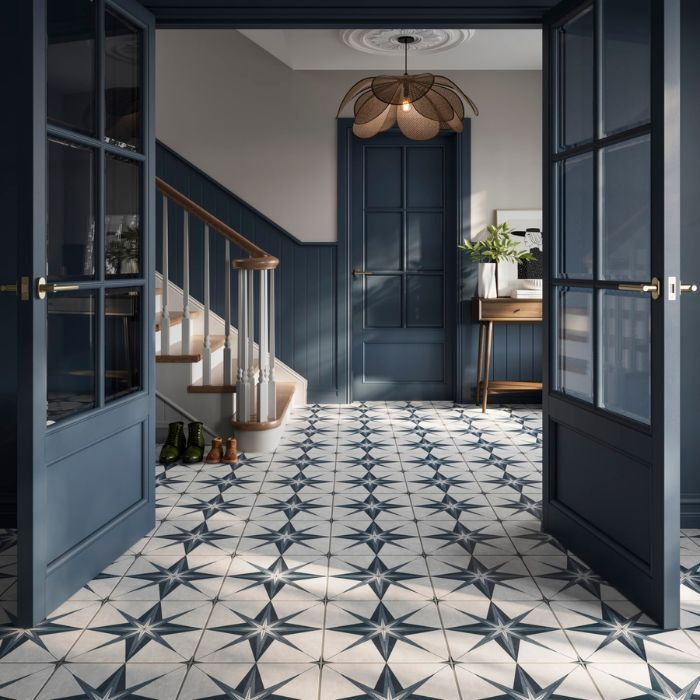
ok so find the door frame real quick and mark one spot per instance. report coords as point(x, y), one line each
point(465, 275)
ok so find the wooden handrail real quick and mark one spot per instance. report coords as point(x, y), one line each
point(188, 205)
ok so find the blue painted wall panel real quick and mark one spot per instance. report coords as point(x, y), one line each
point(309, 337)
point(305, 282)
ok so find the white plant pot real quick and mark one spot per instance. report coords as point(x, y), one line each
point(487, 281)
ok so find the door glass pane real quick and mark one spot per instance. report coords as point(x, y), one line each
point(70, 245)
point(122, 342)
point(576, 217)
point(122, 217)
point(626, 64)
point(424, 302)
point(626, 347)
point(70, 64)
point(576, 101)
point(575, 343)
point(626, 213)
point(70, 357)
point(123, 51)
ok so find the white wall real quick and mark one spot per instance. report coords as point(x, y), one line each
point(268, 133)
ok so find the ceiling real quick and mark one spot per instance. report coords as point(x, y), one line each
point(478, 49)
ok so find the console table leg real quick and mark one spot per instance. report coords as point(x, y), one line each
point(480, 363)
point(487, 363)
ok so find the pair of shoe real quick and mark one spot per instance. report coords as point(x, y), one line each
point(216, 454)
point(176, 448)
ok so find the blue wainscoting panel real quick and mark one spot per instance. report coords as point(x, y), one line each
point(305, 282)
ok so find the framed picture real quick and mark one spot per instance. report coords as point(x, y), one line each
point(526, 225)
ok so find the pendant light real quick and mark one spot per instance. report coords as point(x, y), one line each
point(421, 104)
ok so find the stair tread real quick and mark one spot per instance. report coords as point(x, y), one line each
point(285, 392)
point(196, 352)
point(175, 318)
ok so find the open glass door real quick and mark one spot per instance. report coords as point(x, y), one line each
point(85, 402)
point(612, 310)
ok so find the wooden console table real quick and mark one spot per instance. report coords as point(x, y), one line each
point(487, 312)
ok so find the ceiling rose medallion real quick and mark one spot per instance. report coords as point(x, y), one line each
point(421, 104)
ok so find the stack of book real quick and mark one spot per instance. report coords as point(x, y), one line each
point(526, 294)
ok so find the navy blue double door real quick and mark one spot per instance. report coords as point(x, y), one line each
point(403, 207)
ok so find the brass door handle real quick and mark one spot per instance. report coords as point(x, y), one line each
point(42, 288)
point(689, 288)
point(360, 273)
point(653, 288)
point(8, 288)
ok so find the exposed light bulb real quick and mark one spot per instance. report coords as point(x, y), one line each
point(406, 106)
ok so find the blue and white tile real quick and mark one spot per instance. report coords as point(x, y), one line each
point(527, 680)
point(184, 537)
point(480, 577)
point(617, 632)
point(385, 537)
point(97, 680)
point(383, 631)
point(263, 631)
point(23, 681)
point(279, 577)
point(172, 577)
point(142, 631)
point(504, 631)
point(50, 640)
point(425, 681)
point(288, 681)
point(671, 681)
point(291, 538)
point(379, 577)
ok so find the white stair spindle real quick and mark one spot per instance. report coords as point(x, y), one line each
point(227, 315)
point(263, 395)
point(186, 324)
point(165, 311)
point(206, 345)
point(271, 387)
point(250, 352)
point(241, 396)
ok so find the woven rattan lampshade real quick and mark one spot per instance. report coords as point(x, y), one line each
point(421, 105)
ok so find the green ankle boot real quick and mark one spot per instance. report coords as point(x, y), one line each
point(195, 444)
point(174, 445)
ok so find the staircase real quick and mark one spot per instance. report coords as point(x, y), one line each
point(206, 369)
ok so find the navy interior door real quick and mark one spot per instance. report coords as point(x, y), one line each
point(85, 403)
point(403, 219)
point(612, 308)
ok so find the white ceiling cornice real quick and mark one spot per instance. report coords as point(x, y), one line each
point(372, 50)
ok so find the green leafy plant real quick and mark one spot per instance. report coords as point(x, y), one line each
point(498, 246)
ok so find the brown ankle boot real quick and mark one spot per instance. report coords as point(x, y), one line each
point(231, 456)
point(216, 453)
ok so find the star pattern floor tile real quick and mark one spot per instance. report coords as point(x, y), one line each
point(386, 550)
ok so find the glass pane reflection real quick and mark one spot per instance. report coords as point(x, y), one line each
point(576, 106)
point(122, 342)
point(70, 65)
point(626, 345)
point(626, 64)
point(122, 217)
point(626, 221)
point(122, 82)
point(574, 360)
point(70, 357)
point(71, 220)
